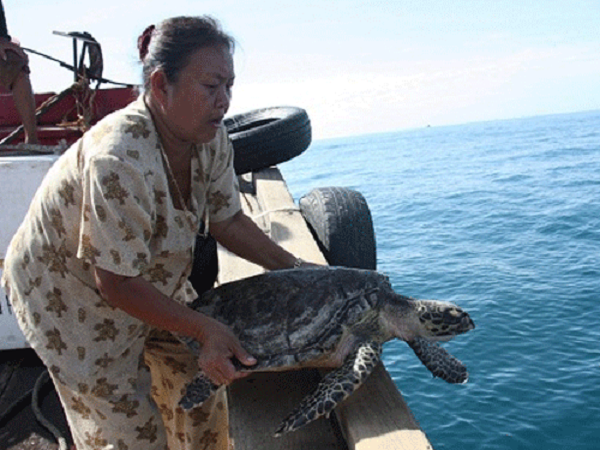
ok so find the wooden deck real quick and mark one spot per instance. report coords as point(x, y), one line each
point(374, 418)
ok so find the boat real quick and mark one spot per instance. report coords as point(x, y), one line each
point(64, 117)
point(374, 417)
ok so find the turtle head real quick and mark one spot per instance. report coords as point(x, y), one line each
point(441, 321)
point(429, 319)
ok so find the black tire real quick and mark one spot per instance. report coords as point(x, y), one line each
point(267, 137)
point(340, 221)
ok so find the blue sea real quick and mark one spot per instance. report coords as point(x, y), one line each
point(502, 218)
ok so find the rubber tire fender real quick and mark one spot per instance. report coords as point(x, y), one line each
point(340, 221)
point(268, 136)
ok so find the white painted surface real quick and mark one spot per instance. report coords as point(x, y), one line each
point(20, 177)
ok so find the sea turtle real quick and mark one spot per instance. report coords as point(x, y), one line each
point(327, 317)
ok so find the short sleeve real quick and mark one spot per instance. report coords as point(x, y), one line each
point(116, 222)
point(223, 196)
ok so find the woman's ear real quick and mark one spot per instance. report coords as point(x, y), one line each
point(160, 87)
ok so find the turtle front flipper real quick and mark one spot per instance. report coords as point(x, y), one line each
point(334, 387)
point(439, 362)
point(197, 391)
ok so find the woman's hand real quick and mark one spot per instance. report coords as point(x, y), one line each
point(219, 346)
point(14, 46)
point(137, 297)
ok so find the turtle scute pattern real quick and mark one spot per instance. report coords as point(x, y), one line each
point(292, 318)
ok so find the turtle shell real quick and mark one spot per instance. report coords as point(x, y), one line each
point(288, 317)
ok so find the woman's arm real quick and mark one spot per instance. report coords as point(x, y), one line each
point(138, 298)
point(240, 235)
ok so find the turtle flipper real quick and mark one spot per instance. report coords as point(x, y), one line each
point(439, 362)
point(197, 391)
point(334, 387)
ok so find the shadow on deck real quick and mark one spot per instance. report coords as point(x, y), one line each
point(20, 430)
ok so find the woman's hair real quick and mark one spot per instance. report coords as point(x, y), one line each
point(170, 45)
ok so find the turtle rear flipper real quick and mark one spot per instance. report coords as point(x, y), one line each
point(197, 392)
point(334, 387)
point(439, 362)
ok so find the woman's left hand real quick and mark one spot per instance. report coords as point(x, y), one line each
point(6, 45)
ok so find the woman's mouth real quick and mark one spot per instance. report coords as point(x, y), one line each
point(216, 123)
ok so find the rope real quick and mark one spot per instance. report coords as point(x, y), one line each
point(41, 110)
point(83, 106)
point(84, 102)
point(71, 68)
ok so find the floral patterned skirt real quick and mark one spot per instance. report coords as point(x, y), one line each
point(102, 415)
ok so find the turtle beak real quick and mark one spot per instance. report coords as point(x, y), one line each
point(467, 323)
point(449, 323)
point(458, 320)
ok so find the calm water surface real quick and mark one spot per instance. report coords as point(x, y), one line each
point(502, 218)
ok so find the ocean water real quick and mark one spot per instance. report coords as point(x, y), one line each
point(502, 218)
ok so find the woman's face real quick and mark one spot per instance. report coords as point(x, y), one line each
point(197, 102)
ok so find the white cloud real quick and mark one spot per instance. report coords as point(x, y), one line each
point(434, 92)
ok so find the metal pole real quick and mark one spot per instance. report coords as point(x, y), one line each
point(75, 58)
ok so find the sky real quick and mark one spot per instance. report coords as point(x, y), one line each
point(356, 66)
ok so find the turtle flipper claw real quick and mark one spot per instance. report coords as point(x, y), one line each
point(333, 388)
point(197, 392)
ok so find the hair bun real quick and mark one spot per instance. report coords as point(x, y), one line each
point(144, 41)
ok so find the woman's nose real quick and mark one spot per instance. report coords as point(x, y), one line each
point(223, 98)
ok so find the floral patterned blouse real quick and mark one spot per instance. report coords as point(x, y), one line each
point(106, 203)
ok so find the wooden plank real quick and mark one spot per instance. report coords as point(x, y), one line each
point(286, 225)
point(375, 417)
point(256, 404)
point(274, 212)
point(259, 403)
point(231, 267)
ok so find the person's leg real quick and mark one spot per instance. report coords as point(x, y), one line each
point(25, 104)
point(173, 366)
point(104, 416)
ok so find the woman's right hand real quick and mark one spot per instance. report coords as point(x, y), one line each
point(219, 346)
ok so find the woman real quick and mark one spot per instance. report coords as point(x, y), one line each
point(103, 256)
